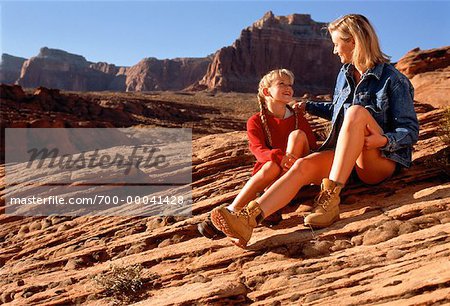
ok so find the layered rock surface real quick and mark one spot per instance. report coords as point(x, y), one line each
point(429, 72)
point(295, 42)
point(51, 108)
point(390, 247)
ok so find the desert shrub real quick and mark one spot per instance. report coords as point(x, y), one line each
point(124, 284)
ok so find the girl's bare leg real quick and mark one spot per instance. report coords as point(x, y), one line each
point(371, 167)
point(264, 177)
point(297, 145)
point(308, 170)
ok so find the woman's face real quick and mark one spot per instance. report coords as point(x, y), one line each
point(344, 49)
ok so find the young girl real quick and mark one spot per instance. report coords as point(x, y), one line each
point(277, 136)
point(374, 127)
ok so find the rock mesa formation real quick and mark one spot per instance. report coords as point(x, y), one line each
point(168, 74)
point(10, 68)
point(295, 42)
point(59, 69)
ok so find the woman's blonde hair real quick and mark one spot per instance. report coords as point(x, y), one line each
point(265, 82)
point(367, 52)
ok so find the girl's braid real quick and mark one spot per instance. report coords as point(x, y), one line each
point(262, 114)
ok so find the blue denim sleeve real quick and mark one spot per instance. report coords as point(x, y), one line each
point(405, 127)
point(321, 109)
point(325, 109)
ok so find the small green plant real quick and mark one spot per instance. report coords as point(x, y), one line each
point(122, 283)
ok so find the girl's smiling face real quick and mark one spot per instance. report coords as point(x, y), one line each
point(344, 49)
point(280, 89)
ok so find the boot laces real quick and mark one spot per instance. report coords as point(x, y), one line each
point(244, 213)
point(247, 213)
point(323, 198)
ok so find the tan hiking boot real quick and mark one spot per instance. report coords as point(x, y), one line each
point(238, 225)
point(327, 205)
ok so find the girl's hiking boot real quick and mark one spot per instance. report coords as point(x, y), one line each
point(208, 230)
point(327, 205)
point(238, 225)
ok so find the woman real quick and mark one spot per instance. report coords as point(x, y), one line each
point(374, 127)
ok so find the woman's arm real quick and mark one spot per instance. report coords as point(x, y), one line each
point(405, 127)
point(320, 109)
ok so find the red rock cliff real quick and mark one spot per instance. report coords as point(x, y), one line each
point(295, 42)
point(10, 68)
point(168, 74)
point(54, 68)
point(59, 69)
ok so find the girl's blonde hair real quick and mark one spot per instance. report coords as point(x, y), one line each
point(367, 52)
point(265, 82)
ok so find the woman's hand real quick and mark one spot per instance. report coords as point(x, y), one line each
point(300, 106)
point(374, 139)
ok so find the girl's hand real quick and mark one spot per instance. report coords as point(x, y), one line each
point(287, 161)
point(374, 139)
point(300, 106)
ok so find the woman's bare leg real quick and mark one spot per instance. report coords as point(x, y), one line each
point(308, 170)
point(370, 165)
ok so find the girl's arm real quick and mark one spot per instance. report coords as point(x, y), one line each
point(258, 145)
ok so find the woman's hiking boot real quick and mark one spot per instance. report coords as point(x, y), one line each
point(327, 205)
point(238, 225)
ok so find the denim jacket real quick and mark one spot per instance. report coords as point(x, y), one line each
point(388, 96)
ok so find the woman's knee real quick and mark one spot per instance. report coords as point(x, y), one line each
point(356, 114)
point(314, 167)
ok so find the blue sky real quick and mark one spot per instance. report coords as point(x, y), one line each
point(124, 32)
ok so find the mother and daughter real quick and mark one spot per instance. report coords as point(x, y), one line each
point(374, 127)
